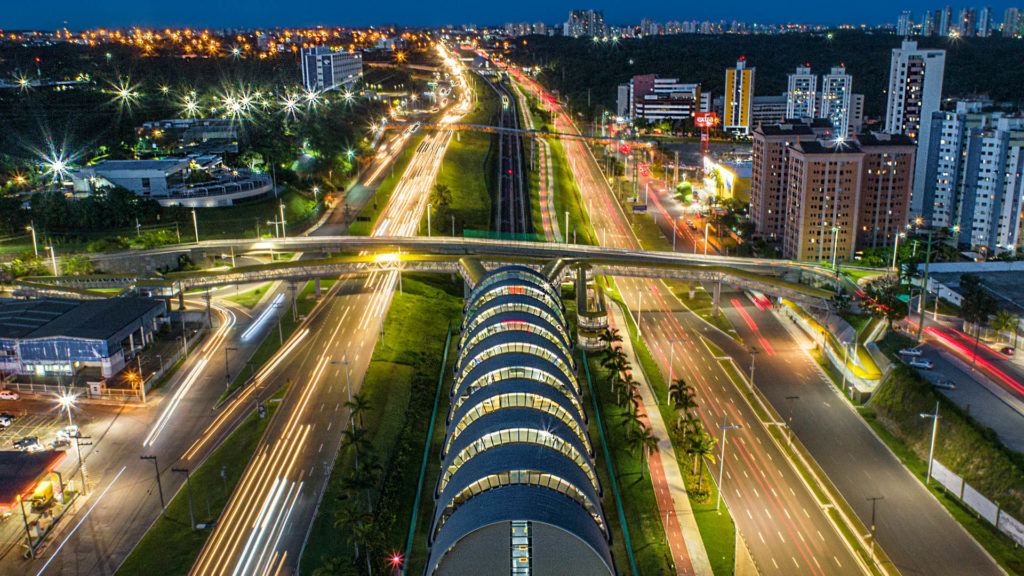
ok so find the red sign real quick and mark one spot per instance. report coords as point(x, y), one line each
point(705, 119)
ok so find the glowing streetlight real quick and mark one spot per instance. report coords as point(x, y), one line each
point(283, 234)
point(895, 247)
point(67, 402)
point(53, 260)
point(195, 225)
point(35, 247)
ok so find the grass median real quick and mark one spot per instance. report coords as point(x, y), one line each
point(170, 546)
point(382, 194)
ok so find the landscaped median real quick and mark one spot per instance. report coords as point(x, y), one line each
point(383, 192)
point(170, 546)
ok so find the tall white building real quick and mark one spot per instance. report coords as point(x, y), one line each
point(985, 22)
point(836, 96)
point(1011, 22)
point(915, 91)
point(975, 177)
point(324, 70)
point(801, 92)
point(904, 23)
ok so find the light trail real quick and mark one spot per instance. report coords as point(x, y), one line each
point(263, 317)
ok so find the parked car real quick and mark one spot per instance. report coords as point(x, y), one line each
point(921, 363)
point(59, 442)
point(911, 352)
point(28, 444)
point(6, 419)
point(6, 394)
point(1008, 350)
point(946, 384)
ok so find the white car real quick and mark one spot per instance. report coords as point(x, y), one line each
point(921, 363)
point(945, 384)
point(9, 395)
point(911, 352)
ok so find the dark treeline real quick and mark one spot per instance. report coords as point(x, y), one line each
point(993, 66)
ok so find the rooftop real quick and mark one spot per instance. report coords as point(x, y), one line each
point(19, 471)
point(161, 164)
point(88, 319)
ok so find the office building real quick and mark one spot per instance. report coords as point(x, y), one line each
point(51, 336)
point(739, 98)
point(191, 135)
point(856, 113)
point(985, 23)
point(766, 109)
point(915, 91)
point(974, 183)
point(771, 144)
point(518, 491)
point(967, 23)
point(801, 93)
point(652, 98)
point(324, 69)
point(836, 100)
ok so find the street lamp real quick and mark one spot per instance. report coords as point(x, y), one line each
point(53, 260)
point(874, 500)
point(283, 233)
point(789, 426)
point(188, 484)
point(706, 226)
point(195, 225)
point(935, 431)
point(159, 487)
point(835, 244)
point(67, 401)
point(895, 247)
point(429, 206)
point(721, 463)
point(316, 193)
point(35, 246)
point(227, 372)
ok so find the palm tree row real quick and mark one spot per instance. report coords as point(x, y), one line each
point(627, 395)
point(696, 441)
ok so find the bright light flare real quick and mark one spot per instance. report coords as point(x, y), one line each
point(125, 93)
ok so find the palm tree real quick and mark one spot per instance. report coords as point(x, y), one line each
point(616, 362)
point(348, 516)
point(685, 402)
point(704, 447)
point(646, 441)
point(631, 419)
point(611, 337)
point(677, 389)
point(976, 306)
point(1006, 321)
point(357, 406)
point(689, 425)
point(365, 534)
point(355, 439)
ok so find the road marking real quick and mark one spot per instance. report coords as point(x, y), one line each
point(820, 536)
point(769, 514)
point(786, 511)
point(761, 536)
point(751, 516)
point(775, 563)
point(795, 563)
point(837, 561)
point(73, 530)
point(798, 533)
point(321, 449)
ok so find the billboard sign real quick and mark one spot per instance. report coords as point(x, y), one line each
point(705, 119)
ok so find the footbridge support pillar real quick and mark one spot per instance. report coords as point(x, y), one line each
point(716, 292)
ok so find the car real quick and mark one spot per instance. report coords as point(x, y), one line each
point(921, 363)
point(691, 224)
point(911, 352)
point(1008, 350)
point(72, 431)
point(28, 444)
point(6, 419)
point(6, 394)
point(59, 443)
point(944, 384)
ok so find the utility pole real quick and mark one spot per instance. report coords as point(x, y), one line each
point(790, 425)
point(753, 357)
point(873, 500)
point(159, 487)
point(227, 372)
point(188, 486)
point(81, 463)
point(924, 289)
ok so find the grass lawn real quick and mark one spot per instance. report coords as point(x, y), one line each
point(241, 221)
point(400, 384)
point(249, 298)
point(567, 198)
point(701, 304)
point(170, 547)
point(383, 193)
point(469, 166)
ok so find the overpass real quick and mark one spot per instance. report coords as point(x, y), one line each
point(329, 256)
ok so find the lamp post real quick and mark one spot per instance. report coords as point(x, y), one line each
point(789, 425)
point(195, 225)
point(935, 431)
point(753, 357)
point(53, 260)
point(35, 246)
point(706, 226)
point(873, 500)
point(429, 206)
point(565, 233)
point(159, 487)
point(67, 401)
point(283, 233)
point(721, 463)
point(188, 485)
point(227, 372)
point(675, 233)
point(671, 360)
point(895, 248)
point(835, 244)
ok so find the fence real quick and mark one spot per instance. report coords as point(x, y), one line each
point(977, 502)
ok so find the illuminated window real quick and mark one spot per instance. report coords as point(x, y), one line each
point(518, 400)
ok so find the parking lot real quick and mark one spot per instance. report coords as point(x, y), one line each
point(39, 418)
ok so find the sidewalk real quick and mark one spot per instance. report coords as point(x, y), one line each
point(688, 551)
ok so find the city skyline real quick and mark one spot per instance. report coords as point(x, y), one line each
point(122, 13)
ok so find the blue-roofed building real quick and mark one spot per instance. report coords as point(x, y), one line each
point(518, 492)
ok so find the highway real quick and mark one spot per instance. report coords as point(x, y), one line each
point(914, 529)
point(264, 527)
point(776, 513)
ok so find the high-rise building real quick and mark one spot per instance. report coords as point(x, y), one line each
point(836, 96)
point(584, 23)
point(801, 93)
point(967, 23)
point(856, 113)
point(1011, 22)
point(884, 198)
point(323, 69)
point(768, 174)
point(739, 97)
point(945, 17)
point(904, 23)
point(985, 22)
point(915, 91)
point(930, 24)
point(975, 177)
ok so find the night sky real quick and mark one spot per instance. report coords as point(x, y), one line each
point(79, 14)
